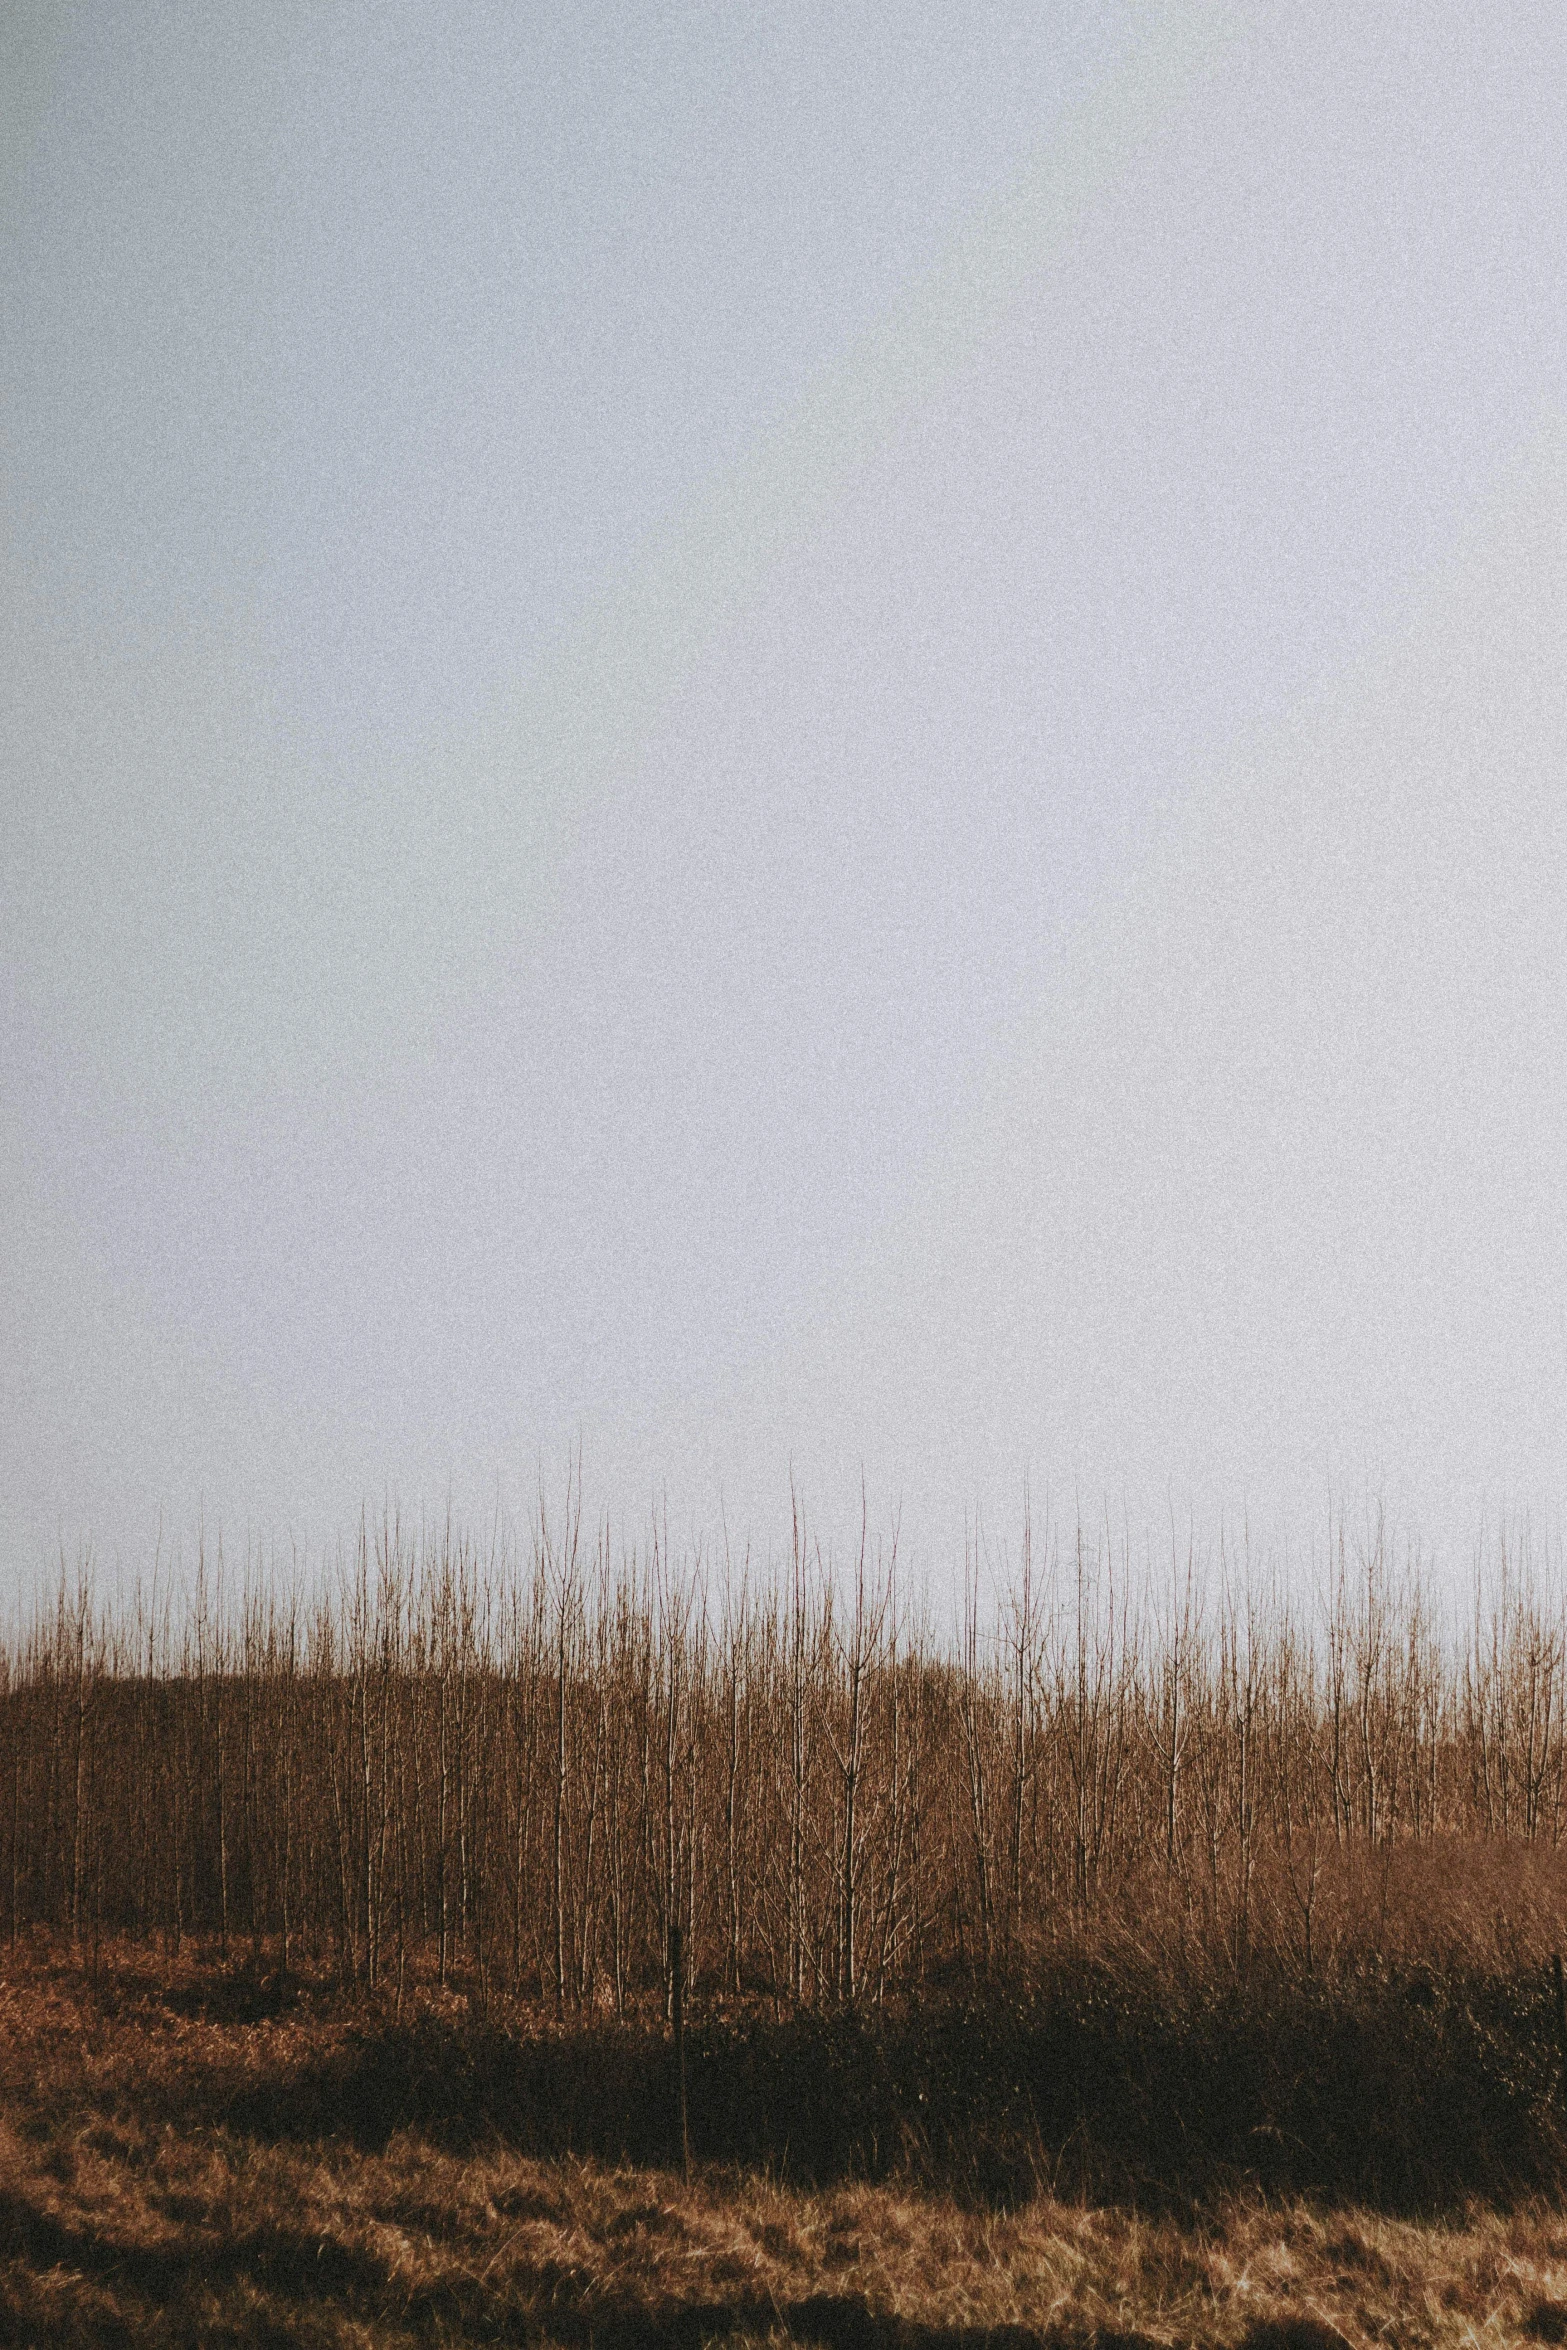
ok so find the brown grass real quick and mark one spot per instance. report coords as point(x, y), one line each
point(1157, 1957)
point(131, 2211)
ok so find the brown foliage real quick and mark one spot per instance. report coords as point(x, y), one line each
point(523, 1771)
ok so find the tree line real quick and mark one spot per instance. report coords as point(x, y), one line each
point(518, 1767)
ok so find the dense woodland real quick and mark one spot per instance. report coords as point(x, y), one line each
point(517, 1769)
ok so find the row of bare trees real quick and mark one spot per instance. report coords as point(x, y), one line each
point(525, 1768)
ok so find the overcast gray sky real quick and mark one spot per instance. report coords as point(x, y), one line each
point(814, 736)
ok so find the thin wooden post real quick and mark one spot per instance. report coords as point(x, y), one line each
point(677, 1977)
point(1561, 2014)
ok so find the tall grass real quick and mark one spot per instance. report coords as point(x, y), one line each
point(520, 1765)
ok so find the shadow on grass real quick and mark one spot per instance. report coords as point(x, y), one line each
point(1403, 2095)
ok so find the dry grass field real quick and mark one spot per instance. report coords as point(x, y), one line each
point(139, 2205)
point(1165, 1954)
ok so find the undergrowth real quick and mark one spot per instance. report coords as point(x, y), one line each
point(1400, 2092)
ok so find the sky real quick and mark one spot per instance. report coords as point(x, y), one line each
point(819, 744)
